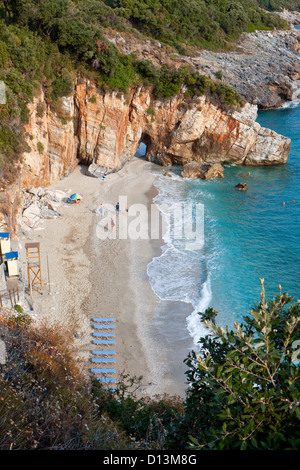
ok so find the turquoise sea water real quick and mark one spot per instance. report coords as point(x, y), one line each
point(248, 235)
point(251, 235)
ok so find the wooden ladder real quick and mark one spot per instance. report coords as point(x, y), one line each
point(34, 266)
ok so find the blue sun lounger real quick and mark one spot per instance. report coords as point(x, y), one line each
point(102, 359)
point(103, 341)
point(106, 379)
point(104, 326)
point(111, 335)
point(103, 319)
point(103, 371)
point(99, 351)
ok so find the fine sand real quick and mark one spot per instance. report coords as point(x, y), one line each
point(86, 276)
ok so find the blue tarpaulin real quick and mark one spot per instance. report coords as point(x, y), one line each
point(11, 255)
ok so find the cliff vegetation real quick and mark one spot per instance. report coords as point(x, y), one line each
point(204, 23)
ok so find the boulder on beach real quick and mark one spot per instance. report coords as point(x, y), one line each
point(39, 203)
point(54, 206)
point(96, 171)
point(31, 215)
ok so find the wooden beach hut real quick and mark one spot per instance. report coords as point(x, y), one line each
point(11, 259)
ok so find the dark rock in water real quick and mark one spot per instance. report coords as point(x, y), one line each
point(167, 173)
point(241, 186)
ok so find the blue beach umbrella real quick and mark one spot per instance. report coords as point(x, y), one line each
point(76, 196)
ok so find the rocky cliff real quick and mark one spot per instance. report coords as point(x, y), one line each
point(104, 130)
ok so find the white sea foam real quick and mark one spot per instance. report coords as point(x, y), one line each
point(290, 104)
point(195, 327)
point(178, 274)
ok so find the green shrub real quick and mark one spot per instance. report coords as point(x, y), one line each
point(204, 23)
point(18, 308)
point(150, 111)
point(40, 148)
point(144, 419)
point(4, 55)
point(62, 85)
point(244, 387)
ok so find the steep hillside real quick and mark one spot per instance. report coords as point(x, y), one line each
point(204, 23)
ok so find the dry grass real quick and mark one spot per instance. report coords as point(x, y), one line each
point(45, 401)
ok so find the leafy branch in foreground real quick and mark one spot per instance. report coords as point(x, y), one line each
point(244, 386)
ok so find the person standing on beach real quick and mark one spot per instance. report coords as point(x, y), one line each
point(112, 224)
point(117, 208)
point(101, 209)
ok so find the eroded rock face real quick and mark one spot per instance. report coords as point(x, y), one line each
point(52, 141)
point(292, 17)
point(264, 68)
point(104, 131)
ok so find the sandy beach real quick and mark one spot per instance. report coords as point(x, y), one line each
point(86, 277)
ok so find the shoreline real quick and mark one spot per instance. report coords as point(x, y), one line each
point(103, 278)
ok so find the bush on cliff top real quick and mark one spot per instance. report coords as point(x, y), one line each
point(277, 5)
point(204, 23)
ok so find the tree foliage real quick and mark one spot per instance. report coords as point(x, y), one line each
point(244, 384)
point(204, 23)
point(277, 5)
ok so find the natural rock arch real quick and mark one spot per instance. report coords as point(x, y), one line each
point(146, 142)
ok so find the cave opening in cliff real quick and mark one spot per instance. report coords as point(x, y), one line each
point(141, 150)
point(144, 145)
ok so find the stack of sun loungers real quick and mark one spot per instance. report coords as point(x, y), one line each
point(104, 356)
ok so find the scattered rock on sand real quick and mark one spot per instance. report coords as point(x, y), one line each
point(40, 203)
point(31, 215)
